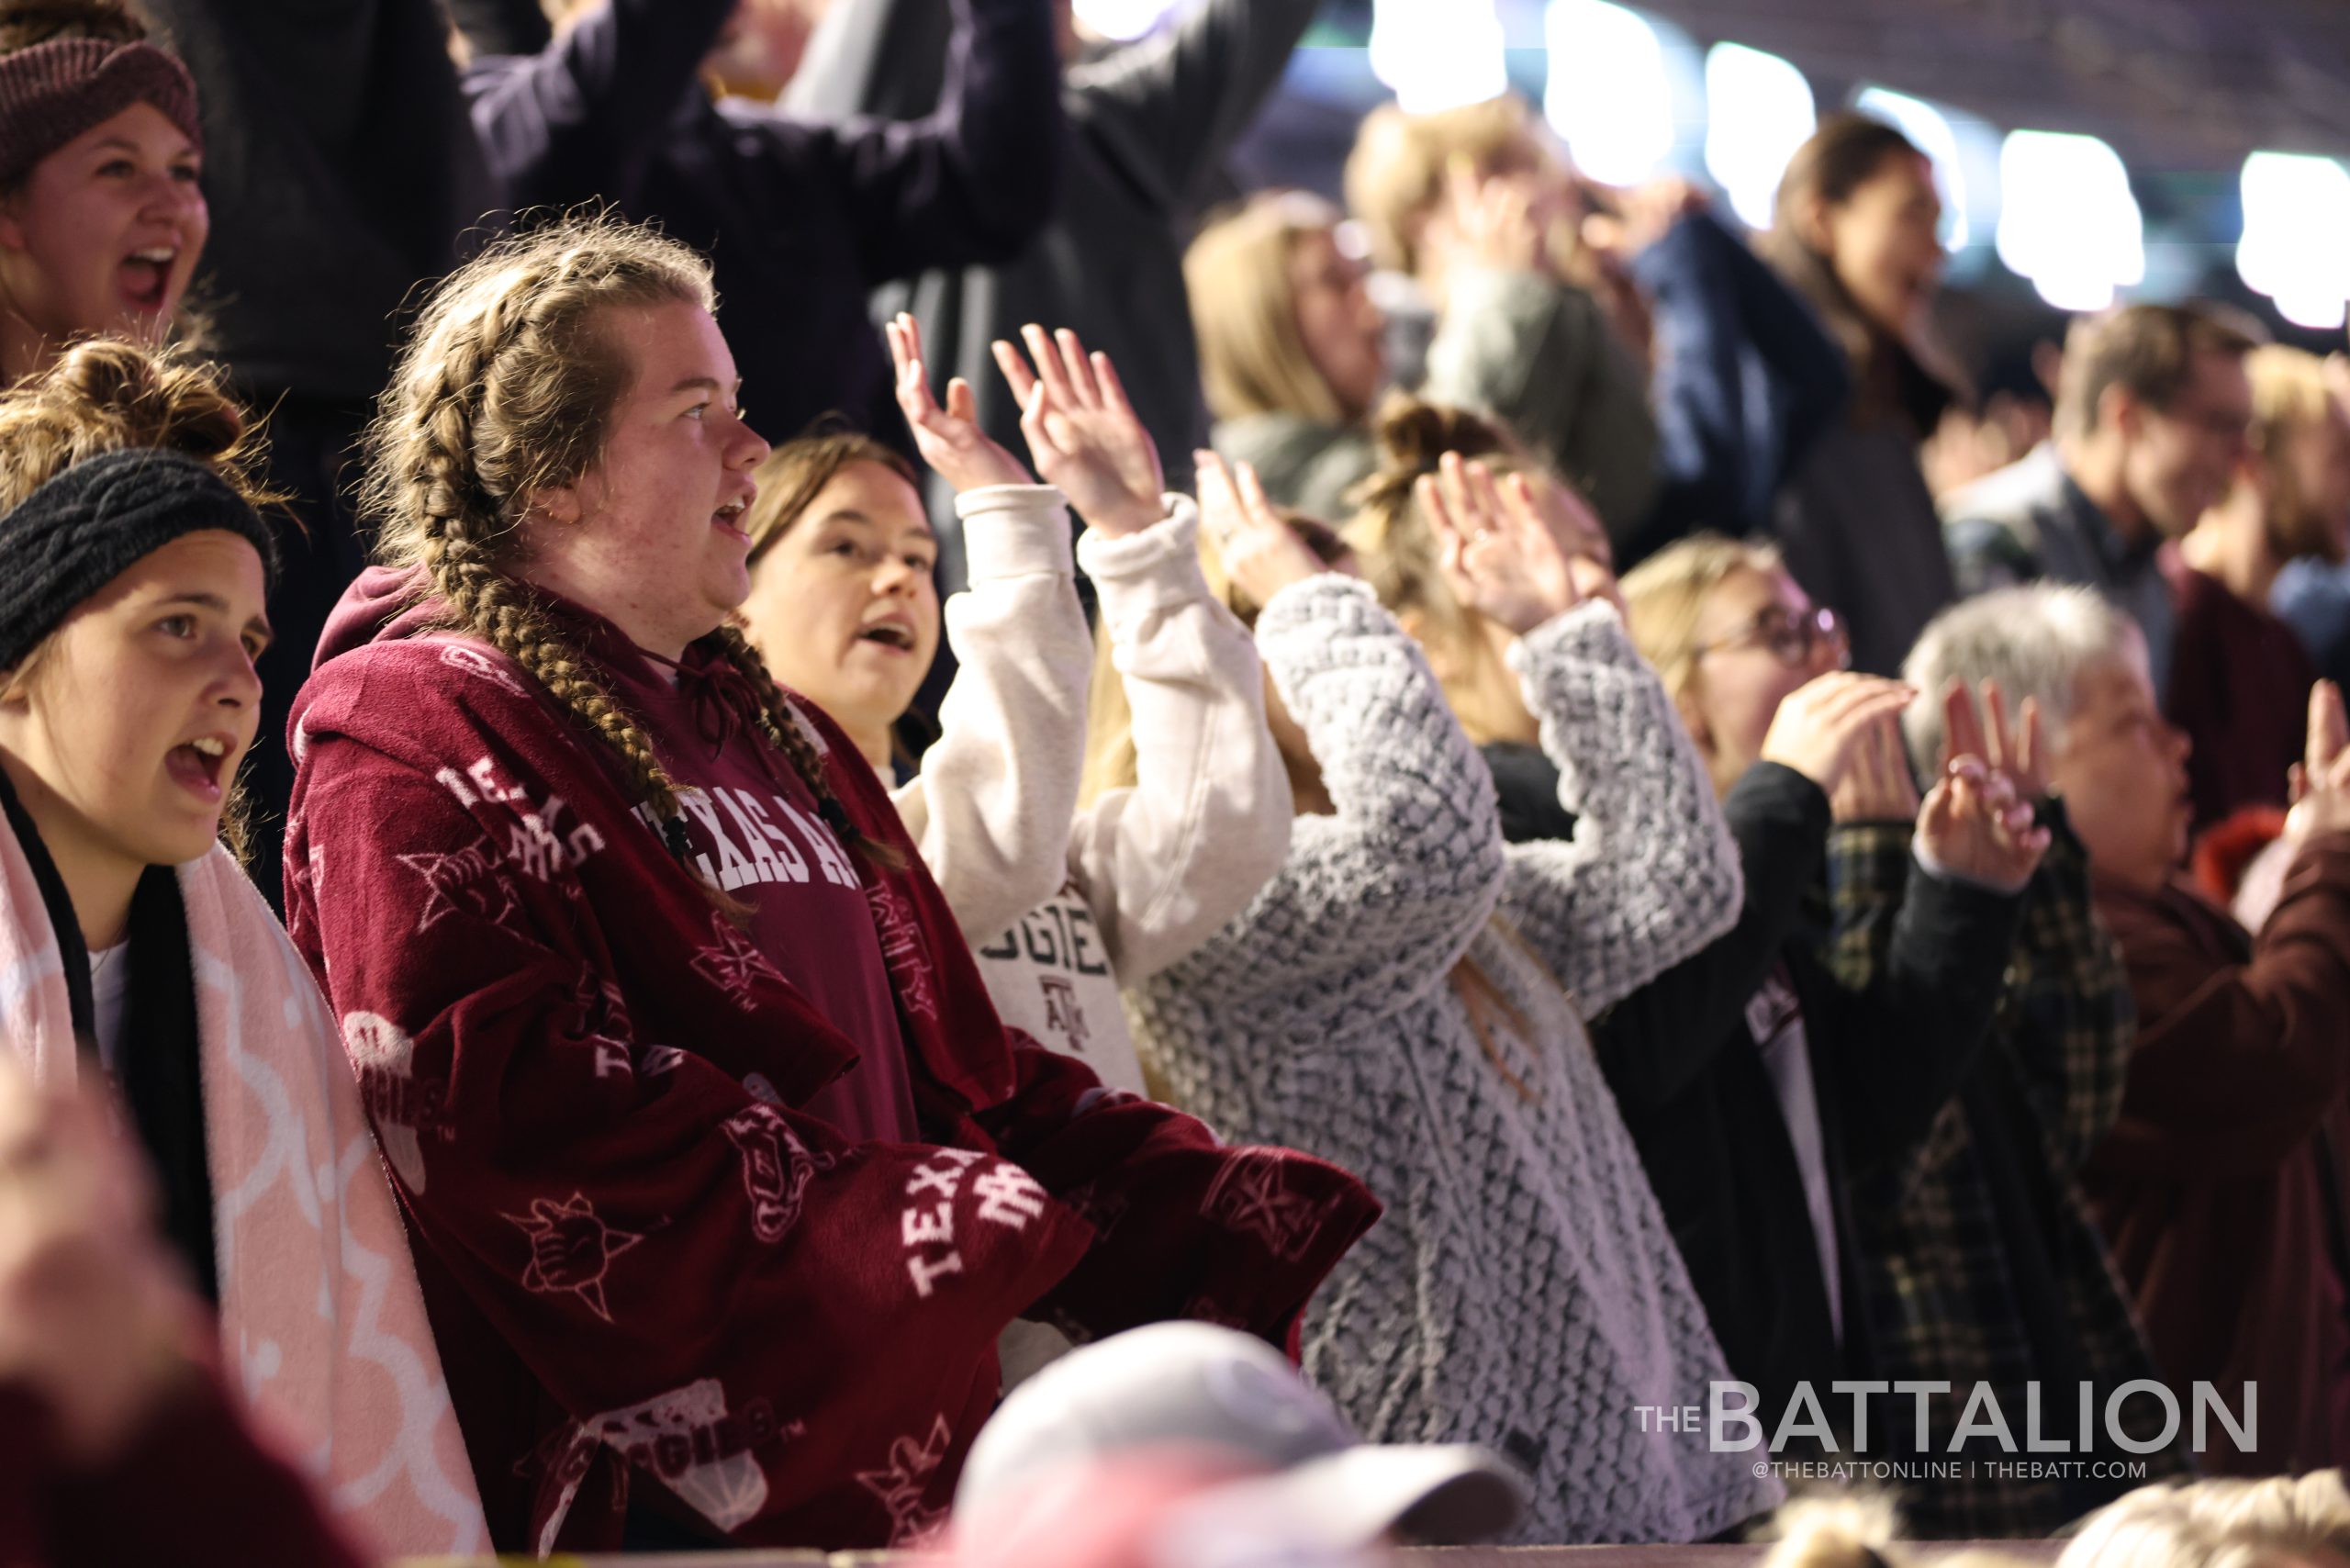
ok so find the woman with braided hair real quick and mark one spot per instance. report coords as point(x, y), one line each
point(725, 1176)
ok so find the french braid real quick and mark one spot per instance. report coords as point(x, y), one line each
point(505, 391)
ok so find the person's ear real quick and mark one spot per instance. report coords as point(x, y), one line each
point(561, 505)
point(1814, 227)
point(2118, 411)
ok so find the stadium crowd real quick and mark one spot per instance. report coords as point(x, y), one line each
point(883, 824)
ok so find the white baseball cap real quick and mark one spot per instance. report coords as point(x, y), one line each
point(1299, 1475)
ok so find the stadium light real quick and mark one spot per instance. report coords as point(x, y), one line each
point(1124, 19)
point(1608, 95)
point(1758, 111)
point(1438, 54)
point(2067, 221)
point(2296, 244)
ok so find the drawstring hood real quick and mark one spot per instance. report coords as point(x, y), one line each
point(721, 697)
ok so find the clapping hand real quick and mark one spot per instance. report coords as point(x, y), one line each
point(1822, 729)
point(1878, 786)
point(1084, 433)
point(949, 439)
point(1261, 554)
point(1978, 821)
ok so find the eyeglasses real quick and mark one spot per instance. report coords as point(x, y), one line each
point(1793, 640)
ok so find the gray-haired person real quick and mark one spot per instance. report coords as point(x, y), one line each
point(1983, 1264)
point(2218, 1182)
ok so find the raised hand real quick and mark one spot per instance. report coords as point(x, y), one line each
point(1643, 215)
point(949, 439)
point(2017, 751)
point(1577, 530)
point(2320, 781)
point(1820, 725)
point(1084, 433)
point(1878, 786)
point(1974, 825)
point(1978, 820)
point(1261, 554)
point(1497, 555)
point(1491, 222)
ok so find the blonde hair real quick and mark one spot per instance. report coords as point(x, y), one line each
point(105, 395)
point(2289, 395)
point(2219, 1523)
point(505, 390)
point(2288, 391)
point(2165, 1527)
point(1834, 1529)
point(1396, 171)
point(1400, 558)
point(1665, 596)
point(1253, 358)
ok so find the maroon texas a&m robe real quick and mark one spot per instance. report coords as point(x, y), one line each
point(649, 1255)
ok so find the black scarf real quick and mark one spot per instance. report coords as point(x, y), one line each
point(160, 1076)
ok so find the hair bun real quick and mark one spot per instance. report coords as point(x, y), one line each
point(150, 398)
point(1413, 435)
point(105, 395)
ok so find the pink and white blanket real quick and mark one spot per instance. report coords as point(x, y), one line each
point(321, 1324)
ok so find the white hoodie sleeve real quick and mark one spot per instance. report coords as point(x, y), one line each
point(1167, 864)
point(990, 808)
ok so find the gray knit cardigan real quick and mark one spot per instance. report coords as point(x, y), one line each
point(1522, 1290)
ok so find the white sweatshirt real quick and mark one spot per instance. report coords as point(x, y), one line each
point(990, 808)
point(1063, 907)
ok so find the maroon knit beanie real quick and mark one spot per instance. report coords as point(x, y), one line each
point(53, 92)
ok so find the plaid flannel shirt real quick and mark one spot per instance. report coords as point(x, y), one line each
point(1944, 1297)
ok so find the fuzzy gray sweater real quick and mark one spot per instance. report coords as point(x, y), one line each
point(1522, 1291)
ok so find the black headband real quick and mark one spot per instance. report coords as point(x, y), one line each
point(79, 530)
